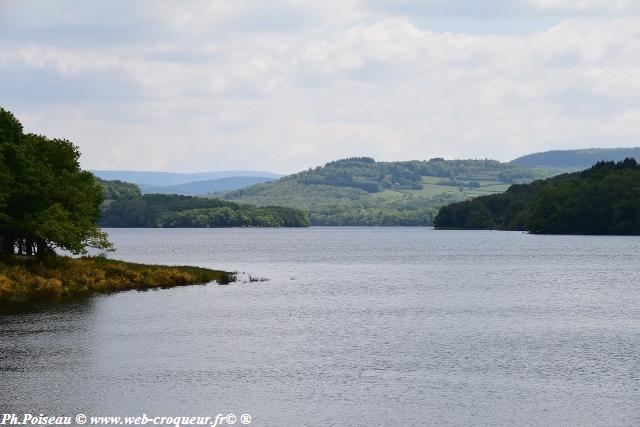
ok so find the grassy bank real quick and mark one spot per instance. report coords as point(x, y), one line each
point(26, 279)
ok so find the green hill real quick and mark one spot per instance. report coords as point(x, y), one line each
point(125, 206)
point(576, 159)
point(114, 190)
point(361, 191)
point(604, 199)
point(171, 211)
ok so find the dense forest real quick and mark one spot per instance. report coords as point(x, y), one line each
point(46, 200)
point(361, 191)
point(159, 210)
point(114, 190)
point(604, 199)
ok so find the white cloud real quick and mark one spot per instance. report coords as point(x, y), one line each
point(210, 85)
point(68, 61)
point(496, 8)
point(592, 6)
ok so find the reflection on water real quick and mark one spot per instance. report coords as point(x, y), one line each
point(364, 326)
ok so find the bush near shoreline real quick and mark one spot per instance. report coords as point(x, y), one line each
point(24, 279)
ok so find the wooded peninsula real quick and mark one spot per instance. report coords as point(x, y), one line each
point(48, 204)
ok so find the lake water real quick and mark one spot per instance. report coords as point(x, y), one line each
point(357, 326)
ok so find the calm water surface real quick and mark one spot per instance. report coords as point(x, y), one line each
point(357, 326)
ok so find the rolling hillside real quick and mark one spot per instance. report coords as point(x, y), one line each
point(361, 191)
point(576, 159)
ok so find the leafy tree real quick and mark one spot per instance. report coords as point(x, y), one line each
point(114, 190)
point(51, 202)
point(10, 137)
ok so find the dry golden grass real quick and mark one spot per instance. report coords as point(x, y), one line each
point(26, 279)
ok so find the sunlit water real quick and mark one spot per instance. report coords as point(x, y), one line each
point(357, 326)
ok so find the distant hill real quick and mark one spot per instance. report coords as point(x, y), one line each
point(206, 187)
point(361, 191)
point(604, 199)
point(576, 159)
point(170, 211)
point(174, 178)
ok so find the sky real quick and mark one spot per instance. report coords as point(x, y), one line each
point(284, 85)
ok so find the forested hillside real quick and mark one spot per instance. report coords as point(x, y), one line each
point(156, 210)
point(114, 190)
point(604, 199)
point(361, 191)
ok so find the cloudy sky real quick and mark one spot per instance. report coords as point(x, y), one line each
point(283, 85)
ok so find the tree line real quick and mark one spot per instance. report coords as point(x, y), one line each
point(113, 190)
point(164, 210)
point(46, 200)
point(604, 199)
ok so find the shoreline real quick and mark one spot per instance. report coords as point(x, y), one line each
point(26, 280)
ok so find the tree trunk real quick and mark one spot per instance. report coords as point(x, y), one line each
point(29, 247)
point(41, 248)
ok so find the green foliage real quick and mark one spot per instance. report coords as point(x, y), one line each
point(366, 174)
point(115, 190)
point(47, 201)
point(10, 128)
point(604, 199)
point(505, 211)
point(244, 216)
point(160, 210)
point(10, 136)
point(361, 191)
